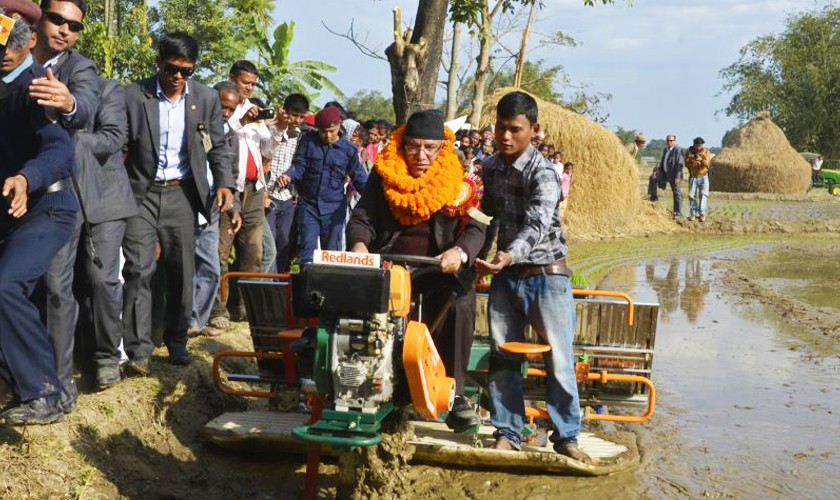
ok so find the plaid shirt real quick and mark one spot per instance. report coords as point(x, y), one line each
point(525, 197)
point(280, 162)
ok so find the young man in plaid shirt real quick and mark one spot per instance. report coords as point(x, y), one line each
point(281, 208)
point(531, 283)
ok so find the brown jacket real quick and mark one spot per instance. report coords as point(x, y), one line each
point(373, 224)
point(697, 162)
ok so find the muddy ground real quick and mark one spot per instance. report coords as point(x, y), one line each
point(141, 439)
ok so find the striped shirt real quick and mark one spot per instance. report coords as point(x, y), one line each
point(525, 196)
point(280, 163)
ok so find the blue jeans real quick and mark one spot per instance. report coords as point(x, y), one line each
point(544, 302)
point(314, 227)
point(280, 215)
point(269, 254)
point(698, 187)
point(207, 270)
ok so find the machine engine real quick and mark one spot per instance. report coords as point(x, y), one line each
point(362, 352)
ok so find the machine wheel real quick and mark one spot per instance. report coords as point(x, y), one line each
point(834, 190)
point(831, 185)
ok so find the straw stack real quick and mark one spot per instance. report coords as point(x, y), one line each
point(759, 159)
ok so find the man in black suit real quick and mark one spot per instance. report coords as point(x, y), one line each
point(174, 134)
point(671, 165)
point(36, 219)
point(68, 94)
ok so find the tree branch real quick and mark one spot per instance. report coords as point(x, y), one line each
point(351, 35)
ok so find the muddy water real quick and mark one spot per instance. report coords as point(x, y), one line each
point(747, 408)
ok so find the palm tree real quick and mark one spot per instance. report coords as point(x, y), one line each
point(280, 77)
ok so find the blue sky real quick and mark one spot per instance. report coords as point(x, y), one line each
point(659, 59)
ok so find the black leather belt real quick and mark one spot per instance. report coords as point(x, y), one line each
point(58, 186)
point(167, 183)
point(555, 268)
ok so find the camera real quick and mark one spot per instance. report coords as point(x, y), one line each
point(265, 114)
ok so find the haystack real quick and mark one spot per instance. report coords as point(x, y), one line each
point(759, 159)
point(604, 199)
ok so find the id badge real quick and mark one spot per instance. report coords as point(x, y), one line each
point(206, 142)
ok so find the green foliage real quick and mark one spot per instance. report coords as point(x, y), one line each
point(796, 77)
point(626, 136)
point(369, 105)
point(226, 30)
point(214, 24)
point(654, 148)
point(129, 55)
point(545, 82)
point(279, 77)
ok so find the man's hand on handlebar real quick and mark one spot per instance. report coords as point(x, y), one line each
point(450, 261)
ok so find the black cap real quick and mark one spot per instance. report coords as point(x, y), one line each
point(425, 125)
point(699, 140)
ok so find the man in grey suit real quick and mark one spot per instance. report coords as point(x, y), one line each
point(671, 165)
point(68, 94)
point(174, 134)
point(108, 202)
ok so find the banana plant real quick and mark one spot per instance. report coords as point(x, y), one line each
point(280, 77)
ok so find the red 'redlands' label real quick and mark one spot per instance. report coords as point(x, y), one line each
point(349, 259)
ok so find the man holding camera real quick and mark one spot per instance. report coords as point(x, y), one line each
point(252, 140)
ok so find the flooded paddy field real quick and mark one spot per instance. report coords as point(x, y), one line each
point(748, 376)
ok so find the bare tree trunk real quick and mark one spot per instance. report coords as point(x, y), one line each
point(520, 58)
point(415, 58)
point(452, 80)
point(485, 40)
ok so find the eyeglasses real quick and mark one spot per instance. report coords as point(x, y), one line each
point(173, 70)
point(59, 20)
point(429, 149)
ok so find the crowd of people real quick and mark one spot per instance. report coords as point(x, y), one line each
point(174, 175)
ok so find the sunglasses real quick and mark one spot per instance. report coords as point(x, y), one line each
point(172, 70)
point(59, 20)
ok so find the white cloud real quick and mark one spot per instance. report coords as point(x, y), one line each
point(625, 43)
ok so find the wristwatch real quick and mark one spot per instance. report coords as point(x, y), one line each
point(463, 254)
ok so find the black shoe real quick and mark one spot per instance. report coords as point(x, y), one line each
point(107, 376)
point(68, 397)
point(181, 358)
point(570, 449)
point(137, 367)
point(39, 411)
point(462, 418)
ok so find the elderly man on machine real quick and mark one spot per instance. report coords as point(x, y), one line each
point(418, 202)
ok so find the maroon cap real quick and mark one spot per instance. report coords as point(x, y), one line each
point(29, 11)
point(327, 117)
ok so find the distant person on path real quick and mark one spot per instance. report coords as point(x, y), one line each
point(671, 166)
point(697, 161)
point(815, 170)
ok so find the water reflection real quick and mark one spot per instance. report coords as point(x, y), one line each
point(751, 415)
point(683, 286)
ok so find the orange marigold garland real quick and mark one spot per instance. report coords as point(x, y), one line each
point(411, 200)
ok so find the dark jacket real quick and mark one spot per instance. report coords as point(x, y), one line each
point(203, 115)
point(103, 181)
point(373, 224)
point(32, 145)
point(673, 168)
point(82, 80)
point(318, 171)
